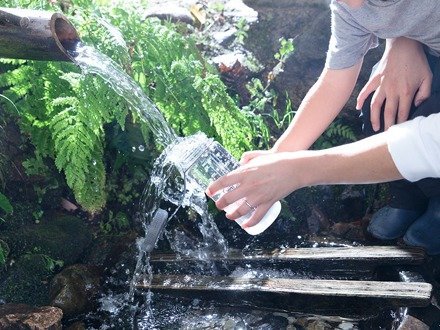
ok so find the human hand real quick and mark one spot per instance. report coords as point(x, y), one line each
point(259, 183)
point(402, 76)
point(247, 156)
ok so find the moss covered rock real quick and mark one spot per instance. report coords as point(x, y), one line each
point(27, 280)
point(61, 237)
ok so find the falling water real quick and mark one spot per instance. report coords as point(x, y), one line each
point(167, 183)
point(91, 61)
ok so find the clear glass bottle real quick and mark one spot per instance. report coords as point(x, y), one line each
point(205, 162)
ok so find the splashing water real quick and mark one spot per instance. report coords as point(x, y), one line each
point(92, 61)
point(168, 182)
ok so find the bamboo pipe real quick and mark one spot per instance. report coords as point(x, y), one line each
point(36, 35)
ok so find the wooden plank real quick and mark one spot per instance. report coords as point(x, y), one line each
point(389, 255)
point(383, 292)
point(375, 289)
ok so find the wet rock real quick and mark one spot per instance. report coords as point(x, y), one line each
point(280, 3)
point(170, 11)
point(58, 236)
point(75, 288)
point(317, 220)
point(352, 202)
point(410, 322)
point(77, 326)
point(25, 317)
point(108, 251)
point(234, 74)
point(223, 37)
point(310, 324)
point(354, 230)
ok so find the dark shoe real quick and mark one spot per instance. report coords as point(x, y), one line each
point(425, 231)
point(391, 223)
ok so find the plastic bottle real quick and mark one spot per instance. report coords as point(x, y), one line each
point(207, 161)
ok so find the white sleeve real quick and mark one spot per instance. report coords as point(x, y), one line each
point(415, 147)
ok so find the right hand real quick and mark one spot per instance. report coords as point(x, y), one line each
point(403, 75)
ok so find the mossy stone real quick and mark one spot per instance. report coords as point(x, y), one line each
point(61, 237)
point(27, 280)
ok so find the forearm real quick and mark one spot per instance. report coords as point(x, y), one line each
point(318, 109)
point(361, 162)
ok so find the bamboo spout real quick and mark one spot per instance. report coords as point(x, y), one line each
point(36, 35)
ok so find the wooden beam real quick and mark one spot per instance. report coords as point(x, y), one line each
point(373, 289)
point(387, 255)
point(297, 292)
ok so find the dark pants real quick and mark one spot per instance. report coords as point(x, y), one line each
point(405, 194)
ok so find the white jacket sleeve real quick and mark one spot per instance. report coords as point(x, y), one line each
point(415, 147)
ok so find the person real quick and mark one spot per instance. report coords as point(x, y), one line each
point(409, 200)
point(407, 150)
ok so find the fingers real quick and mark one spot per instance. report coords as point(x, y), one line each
point(245, 214)
point(390, 112)
point(235, 197)
point(376, 108)
point(404, 109)
point(239, 209)
point(424, 92)
point(249, 155)
point(369, 88)
point(229, 180)
point(256, 217)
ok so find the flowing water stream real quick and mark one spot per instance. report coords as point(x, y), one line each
point(167, 181)
point(127, 309)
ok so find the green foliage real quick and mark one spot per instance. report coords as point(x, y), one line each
point(64, 118)
point(35, 166)
point(264, 100)
point(283, 121)
point(49, 264)
point(171, 70)
point(286, 49)
point(336, 134)
point(4, 251)
point(5, 204)
point(115, 223)
point(64, 115)
point(2, 257)
point(242, 31)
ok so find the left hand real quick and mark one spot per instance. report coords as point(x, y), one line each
point(402, 77)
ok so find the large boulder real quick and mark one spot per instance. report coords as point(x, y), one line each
point(75, 289)
point(308, 24)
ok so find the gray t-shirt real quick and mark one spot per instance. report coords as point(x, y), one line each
point(356, 30)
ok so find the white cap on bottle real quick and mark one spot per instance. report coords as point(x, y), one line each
point(264, 223)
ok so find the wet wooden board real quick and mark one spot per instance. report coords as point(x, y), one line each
point(389, 255)
point(381, 293)
point(345, 262)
